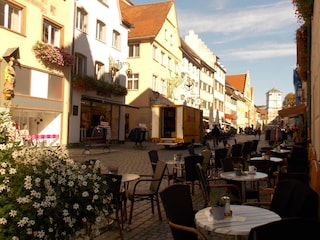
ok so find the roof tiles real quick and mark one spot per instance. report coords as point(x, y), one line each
point(237, 81)
point(147, 19)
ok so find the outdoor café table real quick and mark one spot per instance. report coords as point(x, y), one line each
point(281, 152)
point(245, 177)
point(129, 177)
point(272, 159)
point(239, 224)
point(174, 162)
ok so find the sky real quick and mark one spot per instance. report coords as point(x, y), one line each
point(255, 36)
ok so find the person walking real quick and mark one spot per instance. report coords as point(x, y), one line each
point(259, 132)
point(215, 135)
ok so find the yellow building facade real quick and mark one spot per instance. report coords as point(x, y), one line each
point(40, 103)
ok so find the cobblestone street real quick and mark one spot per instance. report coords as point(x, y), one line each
point(130, 159)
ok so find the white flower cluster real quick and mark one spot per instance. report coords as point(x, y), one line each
point(43, 193)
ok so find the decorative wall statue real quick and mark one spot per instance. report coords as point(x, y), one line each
point(9, 80)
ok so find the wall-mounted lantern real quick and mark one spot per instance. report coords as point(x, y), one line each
point(116, 66)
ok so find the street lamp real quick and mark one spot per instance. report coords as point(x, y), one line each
point(299, 95)
point(189, 84)
point(115, 66)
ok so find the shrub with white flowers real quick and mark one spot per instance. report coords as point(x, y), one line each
point(43, 193)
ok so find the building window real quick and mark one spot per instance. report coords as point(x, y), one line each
point(99, 70)
point(82, 20)
point(162, 59)
point(163, 87)
point(155, 52)
point(101, 31)
point(133, 81)
point(134, 50)
point(154, 82)
point(11, 16)
point(116, 39)
point(170, 63)
point(80, 65)
point(51, 33)
point(105, 2)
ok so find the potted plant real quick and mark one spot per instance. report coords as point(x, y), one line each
point(237, 168)
point(267, 155)
point(217, 203)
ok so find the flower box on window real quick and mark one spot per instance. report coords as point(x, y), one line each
point(49, 54)
point(87, 83)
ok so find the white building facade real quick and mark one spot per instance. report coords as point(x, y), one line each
point(101, 50)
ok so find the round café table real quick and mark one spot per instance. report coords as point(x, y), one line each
point(245, 177)
point(239, 224)
point(283, 153)
point(129, 177)
point(272, 159)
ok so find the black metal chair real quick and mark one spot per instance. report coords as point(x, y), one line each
point(150, 194)
point(264, 166)
point(246, 149)
point(207, 165)
point(190, 172)
point(227, 163)
point(254, 146)
point(292, 198)
point(177, 202)
point(113, 193)
point(219, 154)
point(154, 158)
point(191, 149)
point(286, 228)
point(208, 186)
point(236, 150)
point(298, 160)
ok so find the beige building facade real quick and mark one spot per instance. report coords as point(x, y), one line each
point(154, 57)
